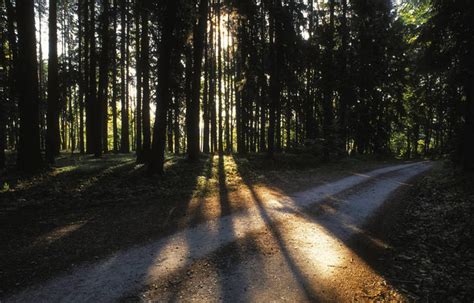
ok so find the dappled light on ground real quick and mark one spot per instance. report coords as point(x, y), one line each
point(58, 233)
point(242, 238)
point(310, 256)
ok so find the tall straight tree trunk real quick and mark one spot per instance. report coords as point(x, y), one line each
point(263, 83)
point(469, 124)
point(41, 90)
point(212, 82)
point(227, 70)
point(94, 105)
point(205, 99)
point(345, 94)
point(219, 85)
point(10, 76)
point(89, 27)
point(233, 97)
point(139, 76)
point(167, 47)
point(188, 57)
point(275, 87)
point(114, 83)
point(193, 116)
point(102, 105)
point(125, 140)
point(3, 97)
point(128, 100)
point(176, 112)
point(52, 137)
point(309, 111)
point(145, 58)
point(238, 102)
point(82, 64)
point(29, 154)
point(328, 91)
point(170, 131)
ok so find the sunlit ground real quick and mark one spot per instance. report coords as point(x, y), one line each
point(310, 261)
point(229, 204)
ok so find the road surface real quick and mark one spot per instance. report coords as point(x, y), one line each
point(282, 248)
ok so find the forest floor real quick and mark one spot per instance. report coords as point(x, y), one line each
point(88, 214)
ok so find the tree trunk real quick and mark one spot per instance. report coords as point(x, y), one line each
point(94, 106)
point(114, 83)
point(345, 89)
point(328, 115)
point(146, 80)
point(29, 154)
point(82, 84)
point(139, 76)
point(275, 87)
point(3, 97)
point(469, 126)
point(205, 100)
point(53, 138)
point(102, 105)
point(167, 47)
point(193, 116)
point(125, 140)
point(212, 84)
point(219, 84)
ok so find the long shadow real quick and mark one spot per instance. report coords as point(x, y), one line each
point(343, 223)
point(197, 215)
point(78, 168)
point(227, 293)
point(50, 209)
point(225, 230)
point(310, 293)
point(102, 229)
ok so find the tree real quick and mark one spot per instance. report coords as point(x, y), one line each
point(3, 84)
point(328, 90)
point(115, 138)
point(102, 104)
point(168, 44)
point(29, 154)
point(276, 59)
point(94, 138)
point(139, 76)
point(450, 33)
point(193, 110)
point(145, 64)
point(125, 131)
point(53, 137)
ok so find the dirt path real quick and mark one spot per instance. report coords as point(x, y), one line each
point(280, 248)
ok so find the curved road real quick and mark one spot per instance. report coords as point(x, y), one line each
point(280, 249)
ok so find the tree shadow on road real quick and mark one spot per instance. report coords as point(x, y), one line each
point(118, 209)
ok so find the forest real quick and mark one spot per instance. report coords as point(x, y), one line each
point(127, 121)
point(332, 77)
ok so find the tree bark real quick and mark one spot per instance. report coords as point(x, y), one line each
point(167, 47)
point(193, 117)
point(139, 77)
point(102, 105)
point(125, 140)
point(114, 83)
point(145, 59)
point(29, 154)
point(275, 86)
point(94, 106)
point(205, 101)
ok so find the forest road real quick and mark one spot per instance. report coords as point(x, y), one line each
point(283, 248)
